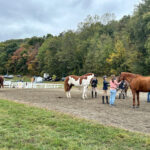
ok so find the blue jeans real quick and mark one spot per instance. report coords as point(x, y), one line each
point(112, 96)
point(148, 97)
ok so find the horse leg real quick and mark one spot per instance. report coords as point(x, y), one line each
point(69, 94)
point(68, 91)
point(126, 93)
point(133, 93)
point(83, 94)
point(138, 101)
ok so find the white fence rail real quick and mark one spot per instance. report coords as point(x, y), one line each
point(9, 84)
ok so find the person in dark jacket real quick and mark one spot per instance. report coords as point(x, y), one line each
point(105, 88)
point(148, 97)
point(94, 83)
point(122, 85)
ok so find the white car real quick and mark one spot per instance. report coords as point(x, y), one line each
point(8, 76)
point(38, 80)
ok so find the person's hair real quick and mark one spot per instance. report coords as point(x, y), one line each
point(112, 78)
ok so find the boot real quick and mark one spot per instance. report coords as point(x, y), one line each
point(103, 100)
point(95, 94)
point(107, 100)
point(92, 94)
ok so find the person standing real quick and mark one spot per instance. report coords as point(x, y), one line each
point(113, 90)
point(94, 83)
point(148, 97)
point(105, 88)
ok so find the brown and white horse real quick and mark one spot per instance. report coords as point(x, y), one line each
point(73, 80)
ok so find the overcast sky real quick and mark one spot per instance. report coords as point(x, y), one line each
point(27, 18)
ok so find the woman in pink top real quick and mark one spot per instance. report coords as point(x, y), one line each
point(113, 86)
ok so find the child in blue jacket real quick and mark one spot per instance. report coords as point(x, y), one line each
point(105, 88)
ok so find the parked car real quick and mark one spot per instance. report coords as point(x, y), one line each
point(8, 76)
point(38, 79)
point(46, 75)
point(57, 79)
point(63, 78)
point(48, 78)
point(19, 76)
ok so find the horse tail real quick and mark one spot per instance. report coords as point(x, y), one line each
point(2, 82)
point(66, 85)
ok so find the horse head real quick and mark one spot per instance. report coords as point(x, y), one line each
point(127, 76)
point(90, 75)
point(121, 77)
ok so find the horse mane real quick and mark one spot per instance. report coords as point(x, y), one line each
point(88, 74)
point(130, 74)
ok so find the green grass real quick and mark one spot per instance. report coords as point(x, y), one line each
point(28, 128)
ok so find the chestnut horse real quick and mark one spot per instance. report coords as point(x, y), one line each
point(138, 83)
point(1, 82)
point(73, 80)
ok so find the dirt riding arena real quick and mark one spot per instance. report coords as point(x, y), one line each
point(121, 115)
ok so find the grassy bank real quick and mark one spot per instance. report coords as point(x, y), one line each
point(28, 128)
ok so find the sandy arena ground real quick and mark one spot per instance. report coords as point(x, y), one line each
point(122, 115)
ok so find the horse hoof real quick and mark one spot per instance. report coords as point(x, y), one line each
point(133, 106)
point(137, 106)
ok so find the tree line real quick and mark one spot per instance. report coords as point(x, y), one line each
point(101, 45)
